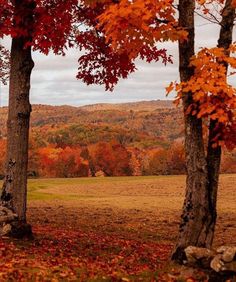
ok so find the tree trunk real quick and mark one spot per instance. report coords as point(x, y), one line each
point(196, 215)
point(199, 211)
point(15, 183)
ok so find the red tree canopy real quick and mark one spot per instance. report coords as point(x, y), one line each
point(59, 25)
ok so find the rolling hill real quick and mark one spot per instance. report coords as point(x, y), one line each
point(146, 123)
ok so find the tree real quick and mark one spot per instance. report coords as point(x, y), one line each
point(112, 158)
point(159, 164)
point(176, 158)
point(51, 25)
point(204, 92)
point(167, 161)
point(61, 162)
point(199, 212)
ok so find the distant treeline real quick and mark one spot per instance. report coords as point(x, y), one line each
point(107, 159)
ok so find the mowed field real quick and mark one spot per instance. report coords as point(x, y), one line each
point(107, 229)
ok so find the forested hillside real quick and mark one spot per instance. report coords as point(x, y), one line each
point(138, 138)
point(144, 119)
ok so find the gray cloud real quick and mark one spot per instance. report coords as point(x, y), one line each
point(54, 77)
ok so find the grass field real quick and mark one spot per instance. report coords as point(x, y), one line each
point(107, 229)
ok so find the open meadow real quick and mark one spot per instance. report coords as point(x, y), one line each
point(106, 229)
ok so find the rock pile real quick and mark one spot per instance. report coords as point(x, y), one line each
point(6, 218)
point(221, 260)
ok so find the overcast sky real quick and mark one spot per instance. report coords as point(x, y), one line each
point(54, 78)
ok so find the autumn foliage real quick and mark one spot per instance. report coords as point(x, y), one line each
point(66, 142)
point(100, 159)
point(213, 97)
point(138, 25)
point(167, 161)
point(59, 25)
point(107, 159)
point(112, 35)
point(68, 254)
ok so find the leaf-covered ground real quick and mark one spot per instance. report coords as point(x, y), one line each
point(107, 229)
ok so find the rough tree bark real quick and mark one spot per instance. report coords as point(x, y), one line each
point(14, 191)
point(199, 211)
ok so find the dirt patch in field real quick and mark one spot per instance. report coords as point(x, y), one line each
point(149, 208)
